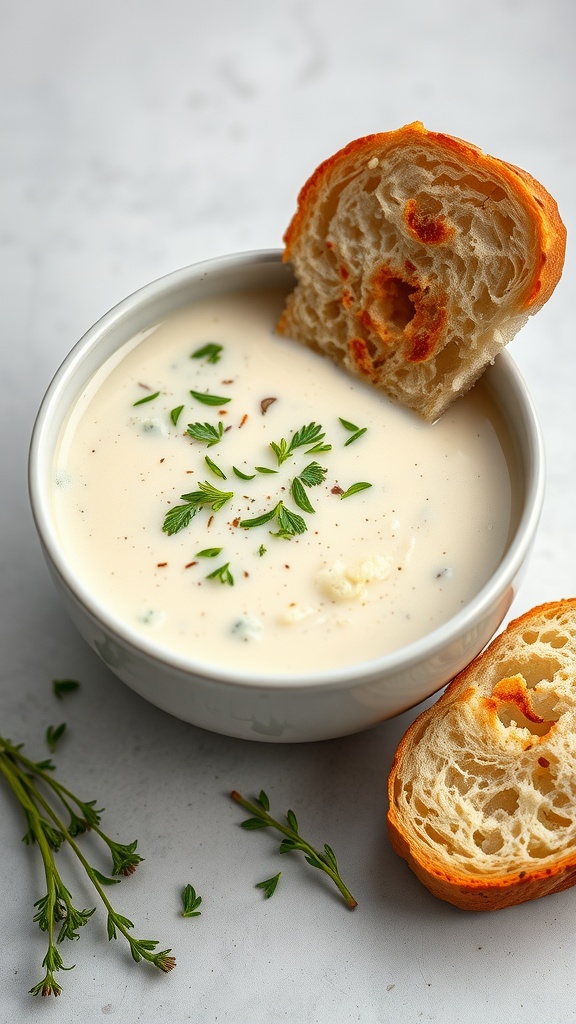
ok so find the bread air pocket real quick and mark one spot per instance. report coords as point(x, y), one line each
point(482, 792)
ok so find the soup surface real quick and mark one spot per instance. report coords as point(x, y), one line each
point(233, 497)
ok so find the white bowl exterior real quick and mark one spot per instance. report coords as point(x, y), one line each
point(321, 706)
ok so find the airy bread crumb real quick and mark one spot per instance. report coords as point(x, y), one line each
point(482, 792)
point(417, 258)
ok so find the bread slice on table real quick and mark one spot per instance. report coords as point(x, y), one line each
point(482, 791)
point(417, 258)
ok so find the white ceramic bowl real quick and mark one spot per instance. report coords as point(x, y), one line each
point(319, 705)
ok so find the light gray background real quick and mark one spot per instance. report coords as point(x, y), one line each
point(139, 136)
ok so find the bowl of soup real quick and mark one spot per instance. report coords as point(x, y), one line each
point(258, 543)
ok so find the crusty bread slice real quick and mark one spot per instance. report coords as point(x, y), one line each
point(482, 791)
point(417, 258)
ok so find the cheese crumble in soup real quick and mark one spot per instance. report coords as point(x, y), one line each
point(193, 406)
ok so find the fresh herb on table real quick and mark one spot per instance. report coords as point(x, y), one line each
point(61, 687)
point(190, 902)
point(54, 733)
point(325, 860)
point(269, 885)
point(55, 817)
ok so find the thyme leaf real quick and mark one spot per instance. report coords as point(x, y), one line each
point(147, 398)
point(355, 488)
point(355, 436)
point(269, 885)
point(299, 494)
point(241, 475)
point(190, 902)
point(215, 469)
point(356, 430)
point(207, 399)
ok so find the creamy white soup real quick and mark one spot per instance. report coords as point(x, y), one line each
point(234, 497)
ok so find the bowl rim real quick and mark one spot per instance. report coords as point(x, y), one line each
point(345, 677)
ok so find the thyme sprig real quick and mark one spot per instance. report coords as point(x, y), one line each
point(325, 860)
point(39, 794)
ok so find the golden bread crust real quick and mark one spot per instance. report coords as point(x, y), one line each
point(418, 257)
point(500, 817)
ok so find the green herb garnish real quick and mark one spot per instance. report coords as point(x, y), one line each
point(311, 434)
point(264, 469)
point(311, 476)
point(208, 553)
point(55, 817)
point(261, 550)
point(210, 352)
point(354, 488)
point(179, 517)
point(241, 475)
point(147, 398)
point(190, 902)
point(208, 399)
point(325, 860)
point(215, 469)
point(223, 574)
point(348, 425)
point(289, 522)
point(206, 432)
point(300, 497)
point(355, 436)
point(175, 414)
point(269, 885)
point(356, 431)
point(318, 449)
